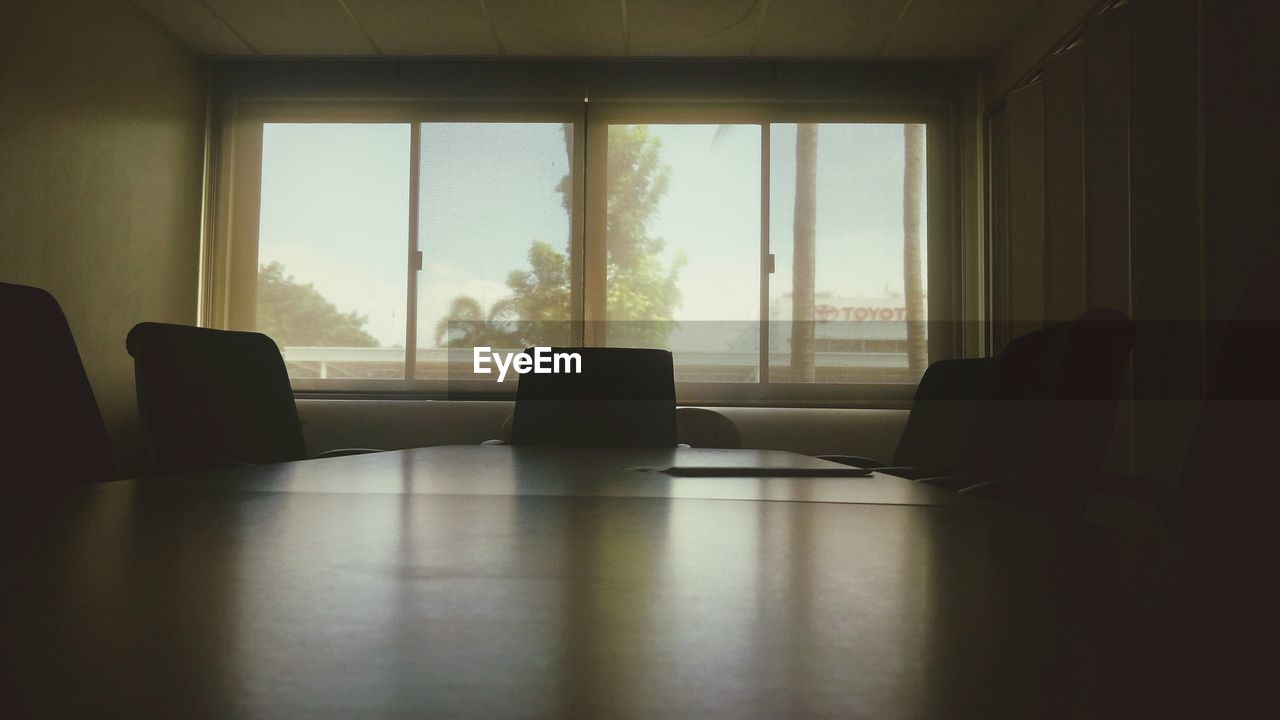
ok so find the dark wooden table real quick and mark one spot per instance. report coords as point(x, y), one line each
point(526, 582)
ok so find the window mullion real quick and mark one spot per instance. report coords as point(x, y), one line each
point(578, 232)
point(766, 257)
point(414, 263)
point(595, 244)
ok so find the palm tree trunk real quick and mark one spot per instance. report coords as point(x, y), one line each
point(913, 283)
point(802, 270)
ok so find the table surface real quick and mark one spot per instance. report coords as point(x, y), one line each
point(611, 472)
point(543, 582)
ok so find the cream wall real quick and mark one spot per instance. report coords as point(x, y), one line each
point(101, 164)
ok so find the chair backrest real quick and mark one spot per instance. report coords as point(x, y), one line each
point(946, 416)
point(1053, 405)
point(1227, 496)
point(1232, 459)
point(210, 396)
point(53, 430)
point(703, 428)
point(623, 396)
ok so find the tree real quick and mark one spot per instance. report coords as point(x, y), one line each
point(641, 291)
point(296, 314)
point(912, 282)
point(467, 319)
point(804, 230)
point(541, 293)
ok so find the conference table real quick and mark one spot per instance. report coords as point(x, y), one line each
point(501, 581)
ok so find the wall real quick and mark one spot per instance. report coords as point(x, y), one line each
point(1104, 171)
point(101, 136)
point(1047, 26)
point(1166, 179)
point(396, 424)
point(1148, 183)
point(1241, 114)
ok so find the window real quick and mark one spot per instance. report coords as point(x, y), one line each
point(684, 217)
point(331, 247)
point(848, 233)
point(783, 255)
point(494, 232)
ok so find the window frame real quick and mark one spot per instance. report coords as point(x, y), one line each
point(942, 244)
point(229, 258)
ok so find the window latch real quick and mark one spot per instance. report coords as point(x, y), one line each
point(769, 265)
point(417, 260)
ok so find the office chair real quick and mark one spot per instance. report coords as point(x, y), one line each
point(1051, 413)
point(54, 434)
point(211, 398)
point(1031, 425)
point(1233, 449)
point(1225, 513)
point(623, 396)
point(941, 434)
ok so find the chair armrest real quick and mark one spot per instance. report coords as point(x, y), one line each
point(910, 472)
point(1001, 491)
point(853, 461)
point(341, 452)
point(988, 488)
point(954, 482)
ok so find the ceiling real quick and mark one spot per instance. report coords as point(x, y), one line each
point(595, 28)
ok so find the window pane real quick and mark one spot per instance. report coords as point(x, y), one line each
point(842, 293)
point(332, 247)
point(494, 232)
point(683, 246)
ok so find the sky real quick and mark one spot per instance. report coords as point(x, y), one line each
point(335, 213)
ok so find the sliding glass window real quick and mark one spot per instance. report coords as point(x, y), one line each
point(783, 255)
point(331, 247)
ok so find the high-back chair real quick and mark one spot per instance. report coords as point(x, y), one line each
point(1232, 457)
point(622, 396)
point(1051, 411)
point(54, 434)
point(947, 415)
point(1032, 424)
point(1226, 500)
point(210, 398)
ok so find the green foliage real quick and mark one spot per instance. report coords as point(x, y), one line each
point(641, 292)
point(467, 320)
point(297, 315)
point(639, 286)
point(541, 292)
